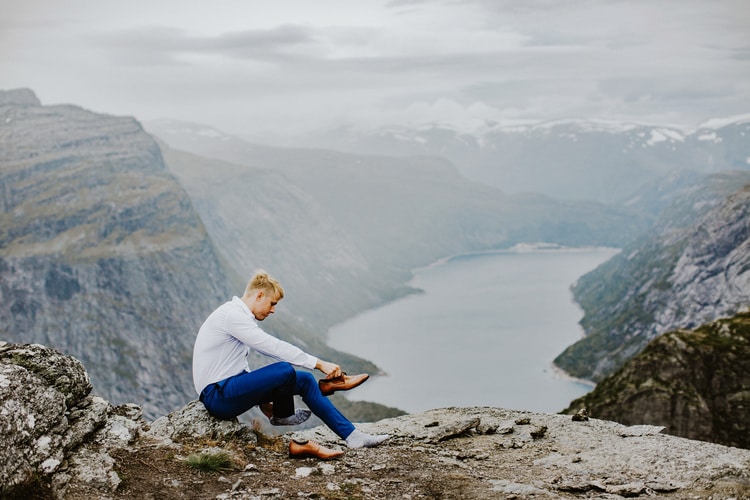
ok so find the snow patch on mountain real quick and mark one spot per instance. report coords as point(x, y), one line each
point(717, 123)
point(479, 130)
point(664, 135)
point(709, 137)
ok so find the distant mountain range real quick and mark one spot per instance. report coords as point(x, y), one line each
point(610, 162)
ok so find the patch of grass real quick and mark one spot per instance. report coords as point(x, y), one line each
point(211, 462)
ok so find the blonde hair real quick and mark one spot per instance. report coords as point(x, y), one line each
point(262, 281)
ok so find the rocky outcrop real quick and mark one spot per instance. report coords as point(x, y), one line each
point(62, 442)
point(57, 434)
point(46, 413)
point(101, 253)
point(693, 268)
point(192, 421)
point(694, 383)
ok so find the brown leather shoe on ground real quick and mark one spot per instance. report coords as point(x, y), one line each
point(342, 383)
point(311, 449)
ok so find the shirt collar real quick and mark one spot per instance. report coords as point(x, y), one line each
point(238, 301)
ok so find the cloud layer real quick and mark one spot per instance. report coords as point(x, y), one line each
point(294, 66)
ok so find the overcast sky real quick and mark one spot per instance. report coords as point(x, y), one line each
point(248, 66)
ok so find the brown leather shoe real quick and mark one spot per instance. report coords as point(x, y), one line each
point(342, 383)
point(299, 448)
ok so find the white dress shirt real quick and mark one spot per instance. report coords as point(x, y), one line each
point(224, 341)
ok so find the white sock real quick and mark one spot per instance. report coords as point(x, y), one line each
point(359, 439)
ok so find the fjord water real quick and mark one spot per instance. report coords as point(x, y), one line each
point(483, 333)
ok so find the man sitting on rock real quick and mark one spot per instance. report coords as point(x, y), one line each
point(228, 387)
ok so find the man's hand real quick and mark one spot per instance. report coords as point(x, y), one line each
point(332, 370)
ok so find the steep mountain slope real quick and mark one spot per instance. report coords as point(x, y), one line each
point(572, 159)
point(344, 231)
point(694, 383)
point(693, 267)
point(101, 252)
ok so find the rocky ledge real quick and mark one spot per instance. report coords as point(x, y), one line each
point(62, 442)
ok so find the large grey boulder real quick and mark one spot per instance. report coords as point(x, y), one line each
point(53, 429)
point(44, 411)
point(193, 421)
point(63, 373)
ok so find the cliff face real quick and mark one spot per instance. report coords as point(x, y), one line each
point(101, 252)
point(60, 442)
point(694, 383)
point(692, 268)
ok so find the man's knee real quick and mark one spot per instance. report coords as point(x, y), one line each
point(286, 372)
point(306, 379)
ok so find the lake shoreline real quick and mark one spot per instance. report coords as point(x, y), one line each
point(481, 311)
point(563, 375)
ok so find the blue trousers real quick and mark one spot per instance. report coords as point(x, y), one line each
point(276, 383)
